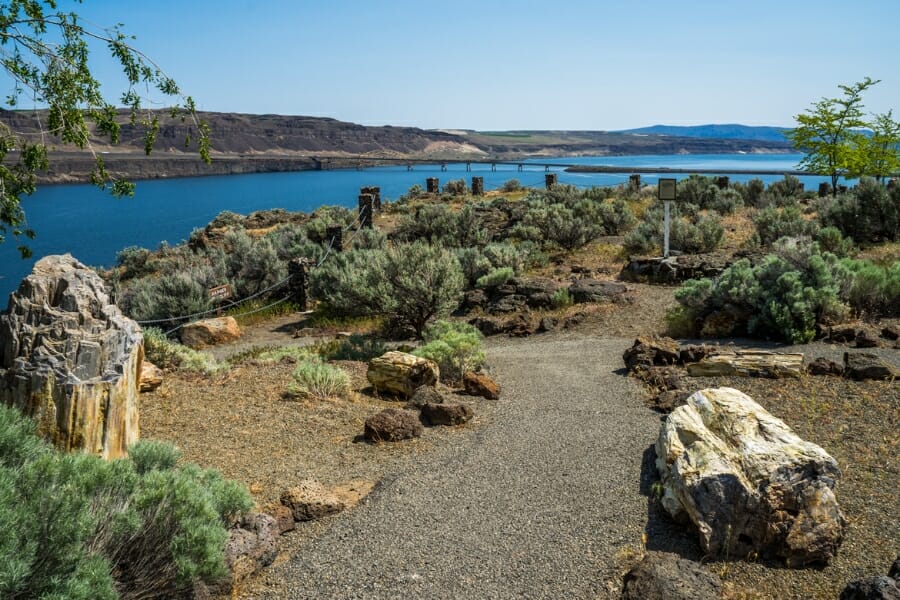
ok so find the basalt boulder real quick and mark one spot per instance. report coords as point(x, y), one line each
point(747, 482)
point(71, 360)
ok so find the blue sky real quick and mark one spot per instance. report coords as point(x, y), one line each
point(514, 65)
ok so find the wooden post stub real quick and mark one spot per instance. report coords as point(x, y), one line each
point(297, 269)
point(549, 180)
point(366, 208)
point(478, 186)
point(334, 236)
point(433, 185)
point(722, 181)
point(376, 194)
point(634, 181)
point(824, 189)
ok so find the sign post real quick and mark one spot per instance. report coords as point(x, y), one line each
point(667, 194)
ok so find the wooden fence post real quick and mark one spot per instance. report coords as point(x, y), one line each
point(433, 185)
point(478, 186)
point(634, 181)
point(334, 237)
point(549, 180)
point(375, 191)
point(366, 206)
point(824, 189)
point(297, 268)
point(722, 181)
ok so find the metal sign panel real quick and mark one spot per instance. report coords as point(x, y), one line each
point(667, 188)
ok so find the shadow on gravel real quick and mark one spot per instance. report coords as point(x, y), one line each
point(664, 534)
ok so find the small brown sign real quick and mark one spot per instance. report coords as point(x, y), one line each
point(220, 292)
point(667, 188)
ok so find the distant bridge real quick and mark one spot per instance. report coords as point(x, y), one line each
point(341, 162)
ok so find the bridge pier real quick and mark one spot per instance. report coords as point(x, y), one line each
point(520, 168)
point(468, 166)
point(409, 167)
point(546, 168)
point(493, 166)
point(443, 166)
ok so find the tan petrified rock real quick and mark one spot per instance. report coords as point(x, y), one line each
point(209, 332)
point(71, 360)
point(747, 482)
point(309, 500)
point(749, 363)
point(151, 377)
point(401, 373)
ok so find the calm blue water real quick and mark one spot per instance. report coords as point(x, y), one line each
point(93, 226)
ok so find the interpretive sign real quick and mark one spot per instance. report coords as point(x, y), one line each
point(220, 292)
point(667, 189)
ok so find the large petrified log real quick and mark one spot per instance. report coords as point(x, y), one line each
point(401, 373)
point(748, 363)
point(71, 360)
point(747, 482)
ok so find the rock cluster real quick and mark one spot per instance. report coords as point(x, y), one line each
point(71, 360)
point(747, 482)
point(523, 293)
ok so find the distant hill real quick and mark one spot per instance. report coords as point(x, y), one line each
point(727, 132)
point(243, 143)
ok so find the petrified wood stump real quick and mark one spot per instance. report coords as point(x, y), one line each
point(71, 360)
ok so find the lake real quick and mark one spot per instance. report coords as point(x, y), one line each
point(93, 226)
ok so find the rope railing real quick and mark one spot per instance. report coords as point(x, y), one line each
point(218, 308)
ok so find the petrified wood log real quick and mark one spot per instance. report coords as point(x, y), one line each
point(401, 373)
point(747, 482)
point(71, 360)
point(748, 363)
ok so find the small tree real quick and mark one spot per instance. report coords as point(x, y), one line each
point(878, 155)
point(828, 132)
point(45, 53)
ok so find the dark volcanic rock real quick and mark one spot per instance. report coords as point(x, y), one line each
point(592, 290)
point(481, 384)
point(871, 588)
point(864, 365)
point(393, 425)
point(651, 350)
point(823, 366)
point(664, 576)
point(448, 413)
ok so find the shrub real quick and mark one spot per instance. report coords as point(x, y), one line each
point(440, 224)
point(783, 297)
point(873, 289)
point(726, 202)
point(314, 378)
point(368, 238)
point(424, 282)
point(831, 240)
point(253, 264)
point(569, 228)
point(773, 224)
point(704, 235)
point(456, 348)
point(511, 185)
point(561, 298)
point(76, 526)
point(352, 284)
point(473, 263)
point(697, 189)
point(166, 296)
point(751, 192)
point(869, 213)
point(167, 354)
point(133, 261)
point(356, 347)
point(324, 217)
point(495, 278)
point(616, 217)
point(290, 241)
point(787, 190)
point(457, 187)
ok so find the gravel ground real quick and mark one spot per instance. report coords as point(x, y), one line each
point(543, 503)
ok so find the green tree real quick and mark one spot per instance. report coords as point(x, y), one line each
point(829, 131)
point(878, 155)
point(45, 53)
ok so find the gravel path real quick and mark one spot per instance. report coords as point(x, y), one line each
point(540, 503)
